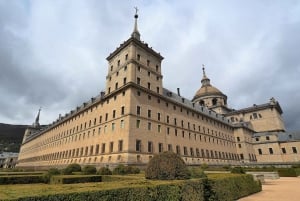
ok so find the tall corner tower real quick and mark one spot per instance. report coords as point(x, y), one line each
point(134, 62)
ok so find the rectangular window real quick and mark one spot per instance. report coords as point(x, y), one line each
point(149, 113)
point(112, 126)
point(168, 119)
point(149, 85)
point(138, 110)
point(106, 116)
point(97, 149)
point(86, 150)
point(159, 128)
point(120, 145)
point(294, 150)
point(116, 86)
point(148, 62)
point(103, 148)
point(124, 80)
point(267, 138)
point(240, 146)
point(138, 57)
point(170, 147)
point(114, 113)
point(160, 147)
point(283, 150)
point(158, 116)
point(122, 110)
point(111, 147)
point(178, 149)
point(138, 145)
point(238, 139)
point(122, 124)
point(175, 121)
point(150, 147)
point(126, 56)
point(138, 80)
point(168, 130)
point(259, 151)
point(149, 126)
point(138, 122)
point(270, 150)
point(192, 151)
point(185, 152)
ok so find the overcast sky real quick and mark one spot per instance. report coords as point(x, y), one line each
point(52, 53)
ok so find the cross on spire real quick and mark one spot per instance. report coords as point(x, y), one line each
point(135, 33)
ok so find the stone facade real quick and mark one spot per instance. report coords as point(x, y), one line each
point(136, 117)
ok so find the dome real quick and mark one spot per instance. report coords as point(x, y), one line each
point(207, 91)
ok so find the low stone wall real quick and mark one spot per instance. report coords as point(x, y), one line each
point(267, 175)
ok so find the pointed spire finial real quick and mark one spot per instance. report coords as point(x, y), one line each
point(37, 119)
point(203, 69)
point(135, 33)
point(205, 80)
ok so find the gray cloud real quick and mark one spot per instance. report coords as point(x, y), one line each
point(52, 53)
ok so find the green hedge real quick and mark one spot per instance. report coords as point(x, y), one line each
point(231, 188)
point(216, 189)
point(71, 179)
point(287, 172)
point(21, 179)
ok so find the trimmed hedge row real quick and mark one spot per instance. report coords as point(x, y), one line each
point(218, 189)
point(75, 179)
point(232, 188)
point(287, 172)
point(21, 179)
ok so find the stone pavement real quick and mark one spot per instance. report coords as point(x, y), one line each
point(283, 189)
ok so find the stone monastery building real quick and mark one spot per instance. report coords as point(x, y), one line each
point(136, 117)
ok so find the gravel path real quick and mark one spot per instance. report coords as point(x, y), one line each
point(283, 189)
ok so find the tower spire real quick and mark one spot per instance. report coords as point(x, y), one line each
point(37, 119)
point(205, 80)
point(135, 33)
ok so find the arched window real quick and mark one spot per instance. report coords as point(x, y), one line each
point(201, 102)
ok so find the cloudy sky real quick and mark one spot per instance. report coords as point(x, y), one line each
point(52, 53)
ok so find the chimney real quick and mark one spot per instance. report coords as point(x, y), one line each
point(178, 91)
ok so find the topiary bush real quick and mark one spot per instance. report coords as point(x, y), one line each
point(89, 169)
point(104, 171)
point(71, 168)
point(167, 166)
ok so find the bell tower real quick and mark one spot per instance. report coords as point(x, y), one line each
point(134, 62)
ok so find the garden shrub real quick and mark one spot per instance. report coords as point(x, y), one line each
point(104, 171)
point(287, 172)
point(238, 170)
point(71, 179)
point(89, 169)
point(119, 170)
point(21, 179)
point(71, 168)
point(122, 170)
point(167, 166)
point(197, 173)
